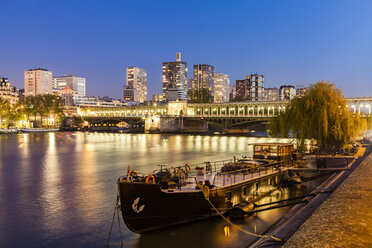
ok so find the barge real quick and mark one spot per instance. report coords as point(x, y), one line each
point(171, 196)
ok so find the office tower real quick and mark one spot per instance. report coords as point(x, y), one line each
point(287, 92)
point(240, 89)
point(203, 77)
point(136, 78)
point(271, 94)
point(221, 87)
point(77, 84)
point(38, 81)
point(251, 88)
point(8, 91)
point(255, 84)
point(130, 94)
point(174, 77)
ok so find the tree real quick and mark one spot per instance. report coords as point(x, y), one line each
point(202, 95)
point(5, 110)
point(321, 114)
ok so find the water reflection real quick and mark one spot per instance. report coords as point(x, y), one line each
point(58, 189)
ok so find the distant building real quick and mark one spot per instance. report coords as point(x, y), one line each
point(77, 84)
point(221, 87)
point(8, 91)
point(300, 90)
point(203, 78)
point(38, 81)
point(157, 98)
point(174, 77)
point(256, 87)
point(287, 92)
point(136, 78)
point(130, 94)
point(251, 88)
point(240, 89)
point(271, 94)
point(67, 94)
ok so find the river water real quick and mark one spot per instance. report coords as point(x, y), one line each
point(59, 189)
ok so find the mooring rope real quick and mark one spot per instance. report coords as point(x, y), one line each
point(205, 190)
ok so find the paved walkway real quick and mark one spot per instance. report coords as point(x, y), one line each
point(345, 218)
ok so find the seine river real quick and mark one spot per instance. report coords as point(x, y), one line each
point(59, 189)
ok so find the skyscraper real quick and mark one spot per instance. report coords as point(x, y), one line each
point(256, 85)
point(174, 77)
point(136, 78)
point(251, 88)
point(203, 77)
point(77, 84)
point(38, 81)
point(221, 87)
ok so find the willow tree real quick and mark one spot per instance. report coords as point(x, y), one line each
point(322, 115)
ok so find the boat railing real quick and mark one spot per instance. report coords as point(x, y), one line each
point(248, 172)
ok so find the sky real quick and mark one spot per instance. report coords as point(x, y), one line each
point(289, 42)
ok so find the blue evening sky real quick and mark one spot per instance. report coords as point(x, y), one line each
point(289, 42)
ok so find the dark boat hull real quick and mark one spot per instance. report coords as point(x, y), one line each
point(146, 207)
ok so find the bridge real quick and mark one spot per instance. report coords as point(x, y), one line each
point(231, 114)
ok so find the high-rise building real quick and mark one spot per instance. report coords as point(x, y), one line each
point(271, 94)
point(240, 89)
point(287, 92)
point(130, 94)
point(203, 77)
point(174, 77)
point(136, 78)
point(255, 87)
point(8, 91)
point(38, 81)
point(251, 88)
point(221, 87)
point(77, 84)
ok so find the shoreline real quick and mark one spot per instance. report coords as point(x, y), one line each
point(288, 226)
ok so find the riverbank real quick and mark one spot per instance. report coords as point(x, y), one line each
point(289, 224)
point(28, 130)
point(343, 220)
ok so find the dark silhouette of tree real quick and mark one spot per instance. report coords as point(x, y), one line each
point(322, 115)
point(202, 95)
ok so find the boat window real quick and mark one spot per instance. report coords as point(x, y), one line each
point(228, 196)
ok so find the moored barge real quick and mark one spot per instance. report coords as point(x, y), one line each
point(171, 196)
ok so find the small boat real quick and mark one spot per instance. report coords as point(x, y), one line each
point(183, 194)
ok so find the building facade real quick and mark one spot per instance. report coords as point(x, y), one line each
point(251, 88)
point(221, 87)
point(38, 81)
point(77, 84)
point(174, 77)
point(287, 92)
point(271, 94)
point(136, 78)
point(130, 94)
point(256, 87)
point(203, 77)
point(300, 90)
point(8, 91)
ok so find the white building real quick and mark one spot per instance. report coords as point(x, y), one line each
point(38, 81)
point(77, 84)
point(174, 77)
point(136, 78)
point(221, 87)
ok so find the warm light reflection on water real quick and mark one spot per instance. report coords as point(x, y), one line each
point(58, 189)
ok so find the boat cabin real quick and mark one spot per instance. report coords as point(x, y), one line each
point(274, 151)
